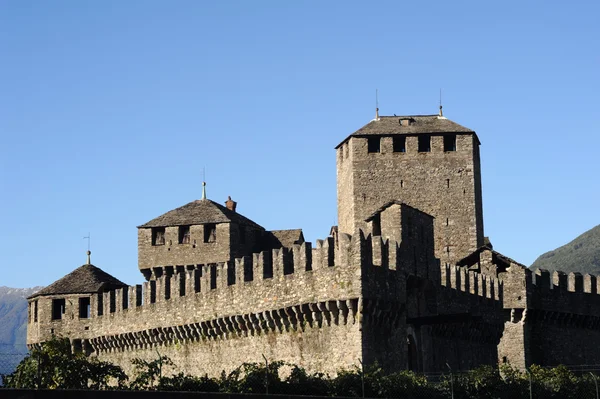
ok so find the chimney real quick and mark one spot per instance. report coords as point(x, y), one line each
point(230, 204)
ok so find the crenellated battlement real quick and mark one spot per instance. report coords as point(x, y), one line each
point(568, 293)
point(464, 280)
point(338, 269)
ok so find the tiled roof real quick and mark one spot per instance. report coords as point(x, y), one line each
point(199, 212)
point(85, 279)
point(284, 238)
point(394, 202)
point(418, 124)
point(472, 258)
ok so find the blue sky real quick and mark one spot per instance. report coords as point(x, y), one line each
point(110, 110)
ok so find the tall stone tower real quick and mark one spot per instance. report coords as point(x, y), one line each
point(425, 161)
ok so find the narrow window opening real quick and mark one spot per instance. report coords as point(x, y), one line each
point(377, 225)
point(158, 236)
point(35, 311)
point(58, 309)
point(401, 183)
point(152, 291)
point(448, 183)
point(84, 308)
point(112, 297)
point(447, 222)
point(449, 142)
point(100, 303)
point(399, 143)
point(213, 277)
point(374, 144)
point(184, 234)
point(210, 232)
point(424, 143)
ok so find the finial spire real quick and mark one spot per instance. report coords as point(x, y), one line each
point(203, 183)
point(89, 257)
point(89, 238)
point(376, 105)
point(441, 115)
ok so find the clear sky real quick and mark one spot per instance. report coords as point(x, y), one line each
point(109, 110)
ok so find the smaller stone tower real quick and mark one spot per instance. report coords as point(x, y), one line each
point(200, 232)
point(67, 306)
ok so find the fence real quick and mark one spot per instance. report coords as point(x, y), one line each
point(61, 370)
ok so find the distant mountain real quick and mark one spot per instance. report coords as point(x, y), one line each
point(580, 255)
point(13, 318)
point(13, 326)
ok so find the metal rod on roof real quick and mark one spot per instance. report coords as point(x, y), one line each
point(376, 104)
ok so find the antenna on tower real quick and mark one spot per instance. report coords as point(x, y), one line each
point(441, 115)
point(89, 253)
point(203, 183)
point(376, 104)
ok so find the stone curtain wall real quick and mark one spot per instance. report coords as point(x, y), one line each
point(564, 319)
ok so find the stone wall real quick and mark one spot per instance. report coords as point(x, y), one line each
point(443, 184)
point(227, 246)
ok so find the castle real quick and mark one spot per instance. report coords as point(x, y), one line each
point(407, 278)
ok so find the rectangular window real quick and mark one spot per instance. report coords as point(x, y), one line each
point(184, 234)
point(158, 236)
point(374, 144)
point(377, 225)
point(58, 309)
point(84, 307)
point(210, 232)
point(35, 311)
point(399, 143)
point(449, 142)
point(424, 143)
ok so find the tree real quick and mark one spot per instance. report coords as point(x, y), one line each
point(54, 366)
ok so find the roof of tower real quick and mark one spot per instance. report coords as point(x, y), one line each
point(284, 238)
point(85, 279)
point(416, 124)
point(396, 202)
point(200, 212)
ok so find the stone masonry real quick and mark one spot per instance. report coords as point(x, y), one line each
point(406, 279)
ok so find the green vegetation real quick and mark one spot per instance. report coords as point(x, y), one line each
point(53, 366)
point(580, 255)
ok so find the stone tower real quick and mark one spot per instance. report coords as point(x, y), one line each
point(425, 161)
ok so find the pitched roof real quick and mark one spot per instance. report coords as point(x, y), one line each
point(418, 124)
point(284, 238)
point(473, 258)
point(85, 279)
point(395, 202)
point(199, 212)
